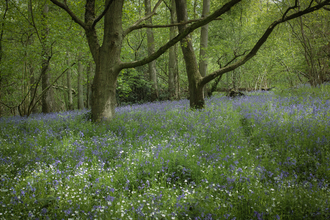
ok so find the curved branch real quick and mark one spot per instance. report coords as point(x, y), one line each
point(10, 107)
point(260, 42)
point(98, 18)
point(325, 8)
point(74, 17)
point(235, 57)
point(162, 26)
point(226, 7)
point(291, 8)
point(46, 89)
point(131, 28)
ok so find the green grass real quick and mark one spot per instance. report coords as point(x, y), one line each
point(263, 156)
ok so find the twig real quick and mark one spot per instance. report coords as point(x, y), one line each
point(46, 89)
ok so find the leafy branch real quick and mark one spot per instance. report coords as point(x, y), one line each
point(136, 24)
point(261, 41)
point(34, 100)
point(166, 25)
point(216, 14)
point(32, 105)
point(66, 8)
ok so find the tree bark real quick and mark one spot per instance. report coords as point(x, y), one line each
point(106, 70)
point(1, 49)
point(33, 88)
point(46, 98)
point(80, 83)
point(65, 94)
point(30, 66)
point(203, 43)
point(151, 50)
point(173, 87)
point(195, 89)
point(89, 84)
point(68, 75)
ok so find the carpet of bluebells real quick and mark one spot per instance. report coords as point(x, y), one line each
point(261, 156)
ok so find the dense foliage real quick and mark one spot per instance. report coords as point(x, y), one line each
point(262, 156)
point(297, 52)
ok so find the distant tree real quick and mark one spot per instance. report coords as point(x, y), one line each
point(80, 83)
point(312, 33)
point(3, 18)
point(173, 71)
point(151, 49)
point(89, 84)
point(68, 75)
point(47, 99)
point(28, 46)
point(195, 79)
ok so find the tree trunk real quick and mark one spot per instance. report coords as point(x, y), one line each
point(33, 89)
point(30, 66)
point(104, 89)
point(80, 83)
point(89, 84)
point(70, 102)
point(46, 98)
point(151, 50)
point(234, 79)
point(195, 89)
point(214, 86)
point(203, 43)
point(1, 49)
point(65, 97)
point(1, 111)
point(106, 70)
point(173, 88)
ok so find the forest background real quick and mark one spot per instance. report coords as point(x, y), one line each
point(46, 65)
point(265, 155)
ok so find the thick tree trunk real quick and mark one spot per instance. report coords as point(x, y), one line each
point(195, 89)
point(173, 88)
point(104, 90)
point(204, 42)
point(80, 83)
point(46, 98)
point(70, 102)
point(151, 50)
point(107, 70)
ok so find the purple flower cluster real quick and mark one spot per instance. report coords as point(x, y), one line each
point(256, 157)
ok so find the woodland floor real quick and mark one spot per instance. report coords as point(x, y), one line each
point(262, 156)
